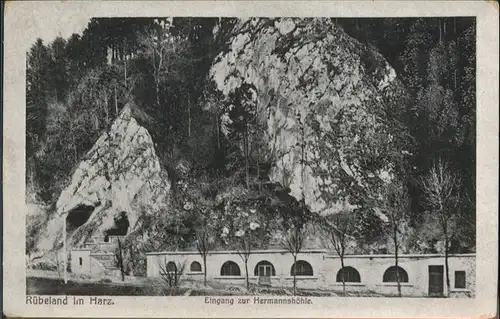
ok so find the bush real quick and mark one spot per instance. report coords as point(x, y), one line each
point(171, 272)
point(105, 281)
point(44, 265)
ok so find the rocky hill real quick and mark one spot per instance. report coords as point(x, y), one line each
point(290, 121)
point(119, 174)
point(309, 80)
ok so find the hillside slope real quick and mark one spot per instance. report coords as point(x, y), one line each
point(119, 174)
point(305, 106)
point(320, 98)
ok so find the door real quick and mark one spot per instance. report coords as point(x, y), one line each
point(264, 272)
point(436, 280)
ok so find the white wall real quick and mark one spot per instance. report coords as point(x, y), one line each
point(89, 267)
point(372, 269)
point(325, 268)
point(281, 261)
point(84, 268)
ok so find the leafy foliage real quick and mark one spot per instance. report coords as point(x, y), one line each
point(76, 87)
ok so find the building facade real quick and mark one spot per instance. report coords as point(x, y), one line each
point(420, 274)
point(97, 258)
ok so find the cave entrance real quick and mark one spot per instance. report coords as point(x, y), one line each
point(120, 228)
point(78, 216)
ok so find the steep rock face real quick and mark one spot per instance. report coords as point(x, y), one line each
point(309, 81)
point(121, 173)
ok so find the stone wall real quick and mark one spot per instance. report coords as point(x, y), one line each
point(372, 268)
point(80, 261)
point(86, 263)
point(325, 265)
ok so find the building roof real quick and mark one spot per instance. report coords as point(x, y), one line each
point(231, 252)
point(327, 253)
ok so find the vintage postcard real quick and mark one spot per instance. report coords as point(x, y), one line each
point(250, 159)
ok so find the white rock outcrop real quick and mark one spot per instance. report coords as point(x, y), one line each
point(120, 173)
point(305, 69)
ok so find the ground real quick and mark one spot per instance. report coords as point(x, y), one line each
point(42, 282)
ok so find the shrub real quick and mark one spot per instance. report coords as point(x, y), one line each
point(105, 281)
point(44, 265)
point(171, 272)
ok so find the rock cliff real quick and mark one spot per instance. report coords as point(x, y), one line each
point(121, 173)
point(320, 101)
point(312, 85)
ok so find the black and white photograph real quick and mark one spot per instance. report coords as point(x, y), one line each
point(256, 160)
point(219, 156)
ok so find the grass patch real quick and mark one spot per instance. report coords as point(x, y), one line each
point(52, 286)
point(151, 287)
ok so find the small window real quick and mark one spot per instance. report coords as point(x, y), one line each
point(195, 266)
point(230, 268)
point(350, 274)
point(80, 261)
point(171, 267)
point(391, 274)
point(301, 268)
point(460, 279)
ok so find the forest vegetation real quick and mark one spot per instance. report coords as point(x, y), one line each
point(76, 87)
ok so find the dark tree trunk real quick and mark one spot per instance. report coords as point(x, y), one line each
point(246, 273)
point(116, 102)
point(205, 269)
point(120, 261)
point(343, 274)
point(258, 173)
point(106, 107)
point(189, 114)
point(157, 89)
point(447, 270)
point(176, 277)
point(247, 163)
point(440, 31)
point(294, 274)
point(217, 130)
point(125, 67)
point(455, 79)
point(396, 262)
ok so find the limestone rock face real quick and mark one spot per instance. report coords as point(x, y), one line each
point(121, 173)
point(303, 69)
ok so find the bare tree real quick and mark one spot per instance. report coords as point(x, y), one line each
point(396, 208)
point(119, 259)
point(293, 242)
point(204, 244)
point(294, 239)
point(440, 188)
point(244, 251)
point(162, 49)
point(341, 229)
point(171, 272)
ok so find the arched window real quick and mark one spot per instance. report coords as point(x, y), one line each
point(391, 274)
point(195, 266)
point(264, 268)
point(350, 274)
point(230, 268)
point(302, 268)
point(171, 267)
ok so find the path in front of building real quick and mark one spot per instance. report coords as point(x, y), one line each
point(42, 282)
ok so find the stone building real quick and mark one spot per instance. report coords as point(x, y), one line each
point(97, 258)
point(420, 274)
